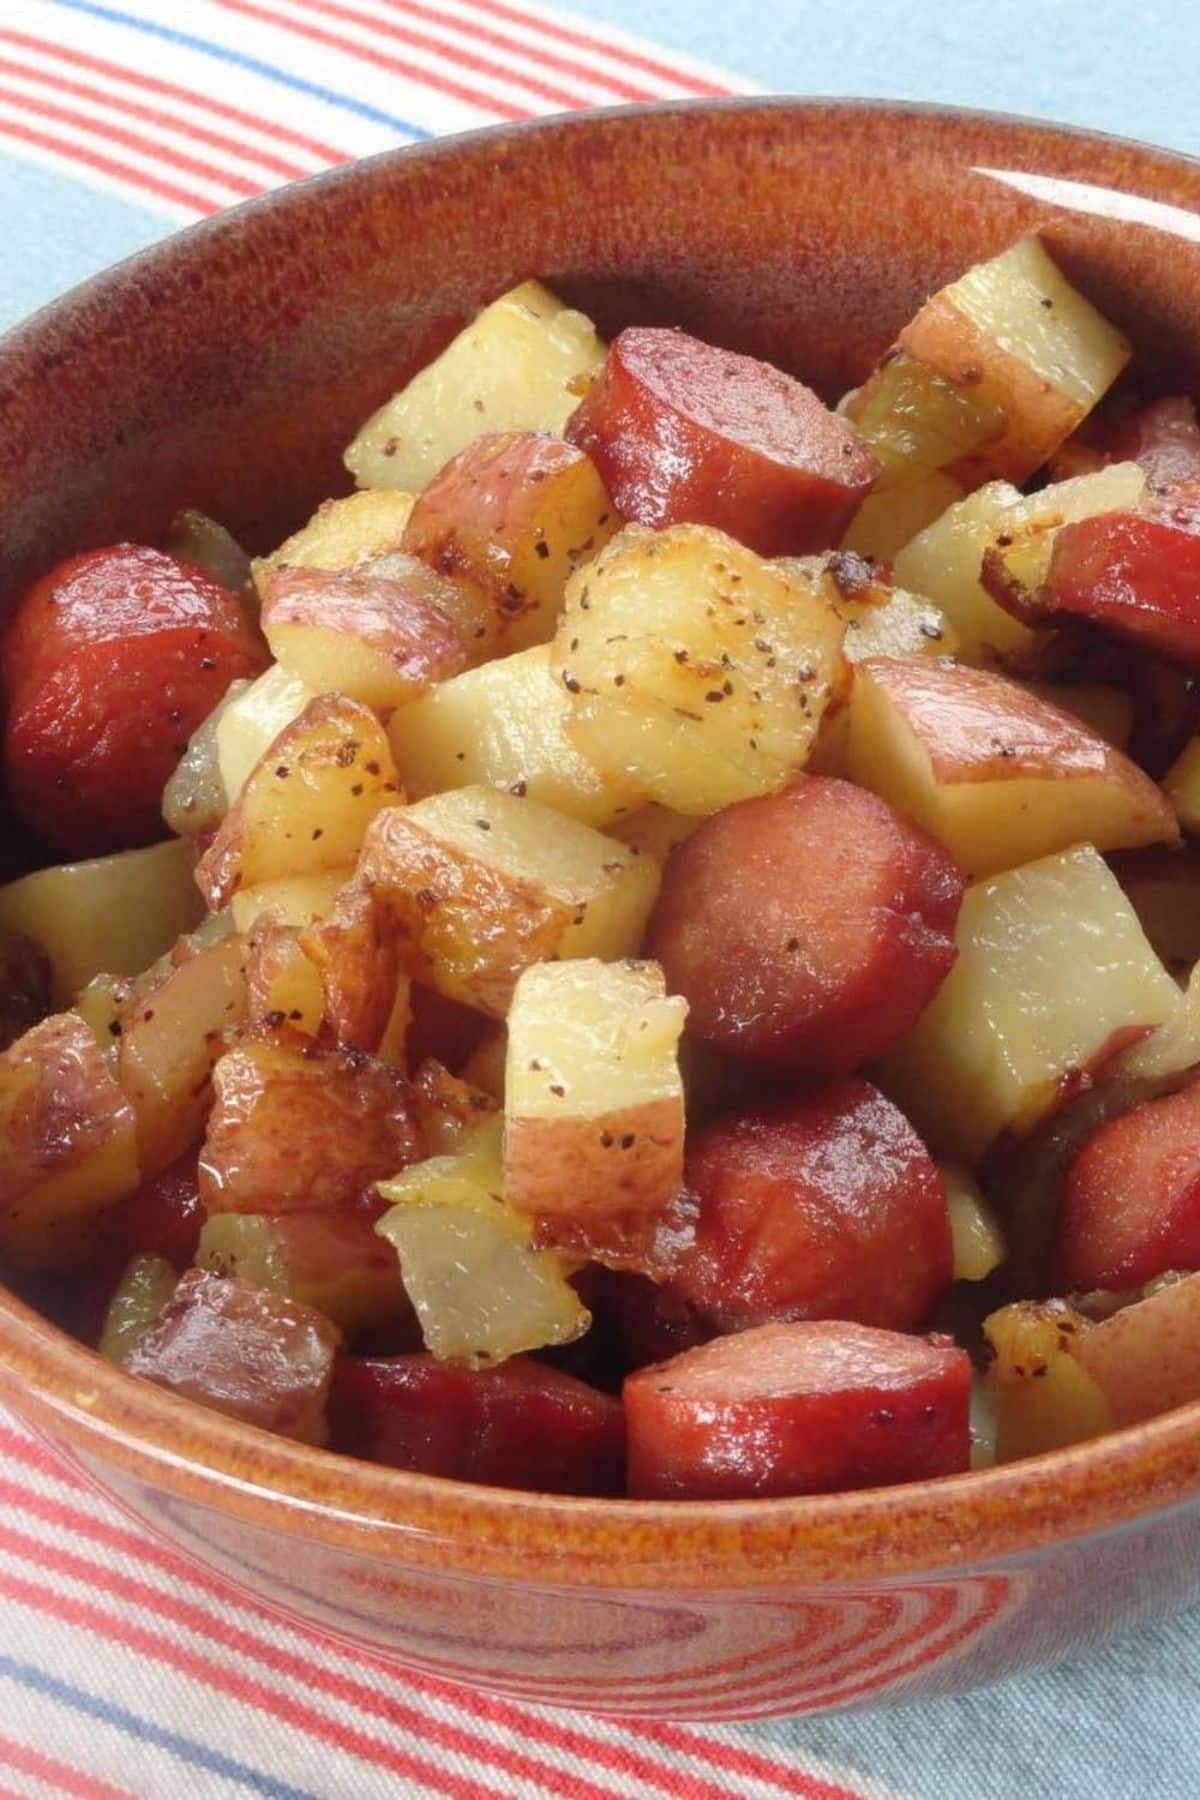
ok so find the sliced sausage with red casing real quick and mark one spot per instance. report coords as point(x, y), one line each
point(1130, 1209)
point(1136, 574)
point(684, 433)
point(806, 1408)
point(807, 930)
point(825, 1207)
point(520, 1425)
point(112, 661)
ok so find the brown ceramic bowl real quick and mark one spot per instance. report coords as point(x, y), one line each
point(226, 369)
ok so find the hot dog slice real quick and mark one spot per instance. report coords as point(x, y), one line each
point(523, 1424)
point(684, 433)
point(808, 929)
point(827, 1207)
point(805, 1408)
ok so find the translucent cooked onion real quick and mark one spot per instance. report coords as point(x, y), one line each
point(194, 799)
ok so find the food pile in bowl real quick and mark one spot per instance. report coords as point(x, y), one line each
point(672, 970)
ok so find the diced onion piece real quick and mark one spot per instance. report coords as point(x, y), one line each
point(144, 1289)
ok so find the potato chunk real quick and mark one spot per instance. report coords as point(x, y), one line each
point(251, 722)
point(68, 1143)
point(695, 669)
point(917, 421)
point(171, 1030)
point(1014, 535)
point(113, 915)
point(978, 1240)
point(291, 900)
point(329, 1258)
point(997, 775)
point(892, 517)
point(1054, 975)
point(380, 639)
point(291, 1130)
point(1042, 1395)
point(512, 517)
point(505, 725)
point(307, 804)
point(481, 1290)
point(252, 1354)
point(341, 533)
point(1018, 340)
point(483, 884)
point(594, 1117)
point(520, 365)
point(1182, 784)
point(1146, 1358)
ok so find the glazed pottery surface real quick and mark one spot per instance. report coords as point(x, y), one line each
point(225, 370)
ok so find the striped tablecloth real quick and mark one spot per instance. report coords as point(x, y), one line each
point(124, 1671)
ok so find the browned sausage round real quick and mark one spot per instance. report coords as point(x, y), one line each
point(797, 1409)
point(684, 433)
point(807, 930)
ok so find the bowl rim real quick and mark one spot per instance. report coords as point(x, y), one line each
point(111, 1418)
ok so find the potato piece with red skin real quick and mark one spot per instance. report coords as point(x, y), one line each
point(1131, 1205)
point(823, 1207)
point(1146, 1358)
point(511, 517)
point(684, 433)
point(808, 929)
point(805, 1408)
point(254, 1355)
point(296, 1129)
point(1136, 574)
point(522, 1425)
point(113, 660)
point(380, 639)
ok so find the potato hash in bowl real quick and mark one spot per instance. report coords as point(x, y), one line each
point(671, 975)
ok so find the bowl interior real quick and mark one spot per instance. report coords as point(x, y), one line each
point(228, 368)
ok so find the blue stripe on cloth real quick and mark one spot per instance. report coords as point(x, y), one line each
point(200, 1756)
point(225, 53)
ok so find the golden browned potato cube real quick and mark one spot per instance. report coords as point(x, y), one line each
point(978, 1239)
point(483, 884)
point(341, 534)
point(68, 1143)
point(1054, 975)
point(306, 805)
point(1042, 1396)
point(329, 1259)
point(1107, 710)
point(1016, 338)
point(593, 1111)
point(172, 1028)
point(696, 669)
point(504, 725)
point(382, 639)
point(481, 1290)
point(945, 561)
point(996, 774)
point(291, 900)
point(251, 722)
point(112, 915)
point(513, 516)
point(141, 1294)
point(520, 365)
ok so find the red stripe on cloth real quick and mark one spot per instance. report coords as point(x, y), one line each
point(105, 1623)
point(58, 1775)
point(573, 66)
point(428, 78)
point(153, 84)
point(283, 1662)
point(107, 165)
point(445, 47)
point(681, 1740)
point(565, 34)
point(153, 115)
point(131, 140)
